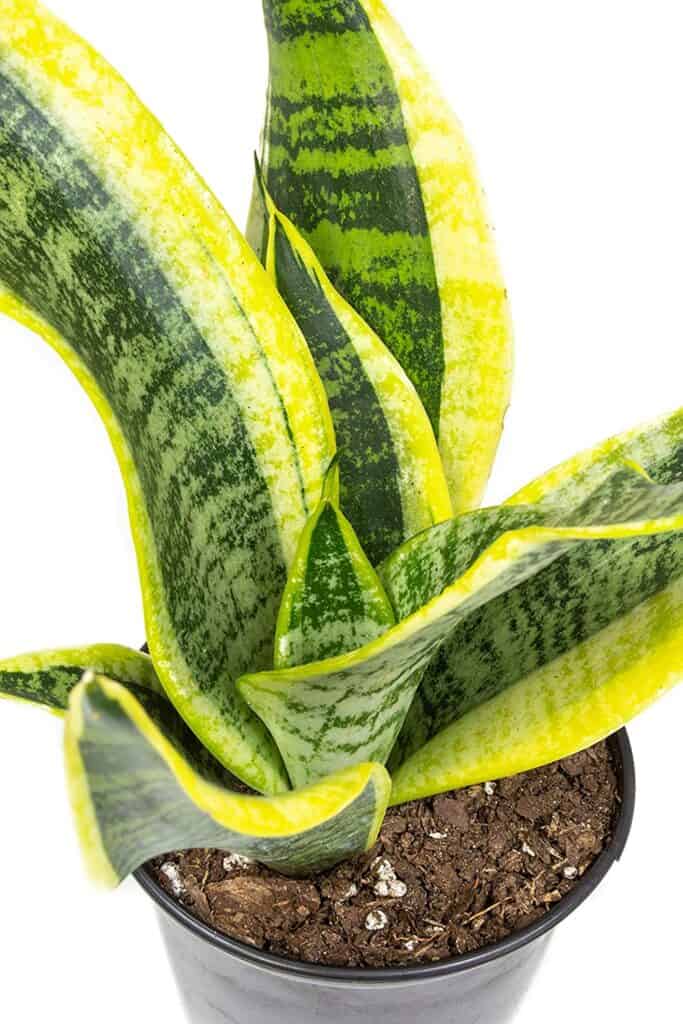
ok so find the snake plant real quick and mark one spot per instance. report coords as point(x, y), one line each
point(304, 427)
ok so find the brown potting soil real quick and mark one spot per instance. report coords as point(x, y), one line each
point(448, 875)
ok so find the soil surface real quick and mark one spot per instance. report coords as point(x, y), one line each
point(448, 875)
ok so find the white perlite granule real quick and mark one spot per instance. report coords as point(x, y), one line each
point(351, 892)
point(489, 788)
point(570, 871)
point(376, 921)
point(173, 875)
point(389, 883)
point(410, 945)
point(235, 861)
point(395, 889)
point(384, 870)
point(527, 849)
point(438, 835)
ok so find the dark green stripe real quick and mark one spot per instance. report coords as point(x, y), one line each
point(369, 469)
point(72, 253)
point(142, 812)
point(547, 615)
point(286, 20)
point(351, 200)
point(51, 688)
point(349, 124)
point(313, 112)
point(668, 469)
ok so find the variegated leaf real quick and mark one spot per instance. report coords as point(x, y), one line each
point(572, 654)
point(364, 155)
point(363, 697)
point(137, 791)
point(392, 480)
point(47, 678)
point(113, 249)
point(334, 603)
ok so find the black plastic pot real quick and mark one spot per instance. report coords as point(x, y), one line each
point(222, 980)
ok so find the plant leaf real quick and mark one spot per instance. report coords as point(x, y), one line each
point(587, 487)
point(571, 702)
point(334, 603)
point(468, 668)
point(388, 457)
point(570, 655)
point(422, 568)
point(114, 250)
point(137, 793)
point(654, 450)
point(48, 677)
point(367, 693)
point(364, 155)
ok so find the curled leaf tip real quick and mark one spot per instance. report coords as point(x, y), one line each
point(140, 788)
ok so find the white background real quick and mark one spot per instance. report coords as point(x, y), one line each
point(575, 113)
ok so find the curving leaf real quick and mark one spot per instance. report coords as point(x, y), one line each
point(479, 660)
point(570, 703)
point(364, 696)
point(392, 480)
point(362, 152)
point(137, 792)
point(572, 654)
point(422, 568)
point(114, 250)
point(654, 450)
point(47, 678)
point(333, 603)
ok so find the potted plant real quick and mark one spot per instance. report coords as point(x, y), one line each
point(334, 628)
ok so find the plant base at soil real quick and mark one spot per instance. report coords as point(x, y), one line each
point(449, 875)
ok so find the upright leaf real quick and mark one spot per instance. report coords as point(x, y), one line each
point(137, 791)
point(364, 155)
point(392, 481)
point(333, 603)
point(114, 250)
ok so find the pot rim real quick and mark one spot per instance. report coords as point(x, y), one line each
point(271, 962)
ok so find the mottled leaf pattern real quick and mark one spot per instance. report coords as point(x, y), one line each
point(363, 154)
point(485, 644)
point(362, 698)
point(137, 792)
point(47, 678)
point(333, 603)
point(578, 650)
point(112, 248)
point(392, 481)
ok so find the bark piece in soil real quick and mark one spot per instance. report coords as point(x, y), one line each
point(449, 875)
